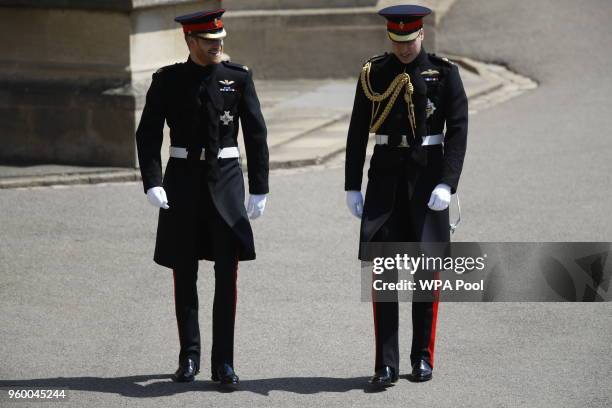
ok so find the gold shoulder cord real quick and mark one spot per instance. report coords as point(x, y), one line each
point(392, 92)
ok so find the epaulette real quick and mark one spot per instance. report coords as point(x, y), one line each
point(441, 60)
point(378, 58)
point(233, 65)
point(168, 68)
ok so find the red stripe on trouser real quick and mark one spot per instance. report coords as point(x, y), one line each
point(235, 288)
point(175, 308)
point(375, 324)
point(434, 320)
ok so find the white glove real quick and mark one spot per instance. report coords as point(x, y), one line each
point(440, 198)
point(157, 197)
point(354, 201)
point(256, 206)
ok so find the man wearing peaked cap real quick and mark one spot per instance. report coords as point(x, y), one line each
point(407, 98)
point(201, 195)
point(203, 24)
point(404, 23)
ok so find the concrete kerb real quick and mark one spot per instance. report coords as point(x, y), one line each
point(70, 179)
point(504, 84)
point(305, 133)
point(292, 164)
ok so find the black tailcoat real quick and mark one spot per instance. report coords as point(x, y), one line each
point(197, 103)
point(438, 89)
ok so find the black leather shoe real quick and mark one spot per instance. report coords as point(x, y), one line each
point(186, 372)
point(384, 377)
point(225, 374)
point(421, 371)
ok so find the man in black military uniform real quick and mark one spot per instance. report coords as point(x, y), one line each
point(201, 196)
point(406, 98)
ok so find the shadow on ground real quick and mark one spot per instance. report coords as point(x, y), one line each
point(159, 385)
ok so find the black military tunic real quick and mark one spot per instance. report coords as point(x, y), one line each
point(202, 107)
point(438, 85)
point(401, 180)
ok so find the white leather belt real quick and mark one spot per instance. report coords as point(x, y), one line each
point(224, 153)
point(429, 140)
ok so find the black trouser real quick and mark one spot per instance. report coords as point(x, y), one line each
point(224, 305)
point(411, 221)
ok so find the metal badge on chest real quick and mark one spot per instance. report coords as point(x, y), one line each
point(227, 86)
point(226, 118)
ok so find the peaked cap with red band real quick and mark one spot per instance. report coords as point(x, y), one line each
point(206, 24)
point(404, 23)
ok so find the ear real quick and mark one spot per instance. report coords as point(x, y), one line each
point(189, 40)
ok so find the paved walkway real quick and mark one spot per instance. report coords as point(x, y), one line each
point(307, 123)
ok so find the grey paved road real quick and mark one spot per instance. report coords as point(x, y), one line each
point(539, 166)
point(84, 307)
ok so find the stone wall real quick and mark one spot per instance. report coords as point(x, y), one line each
point(73, 74)
point(72, 85)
